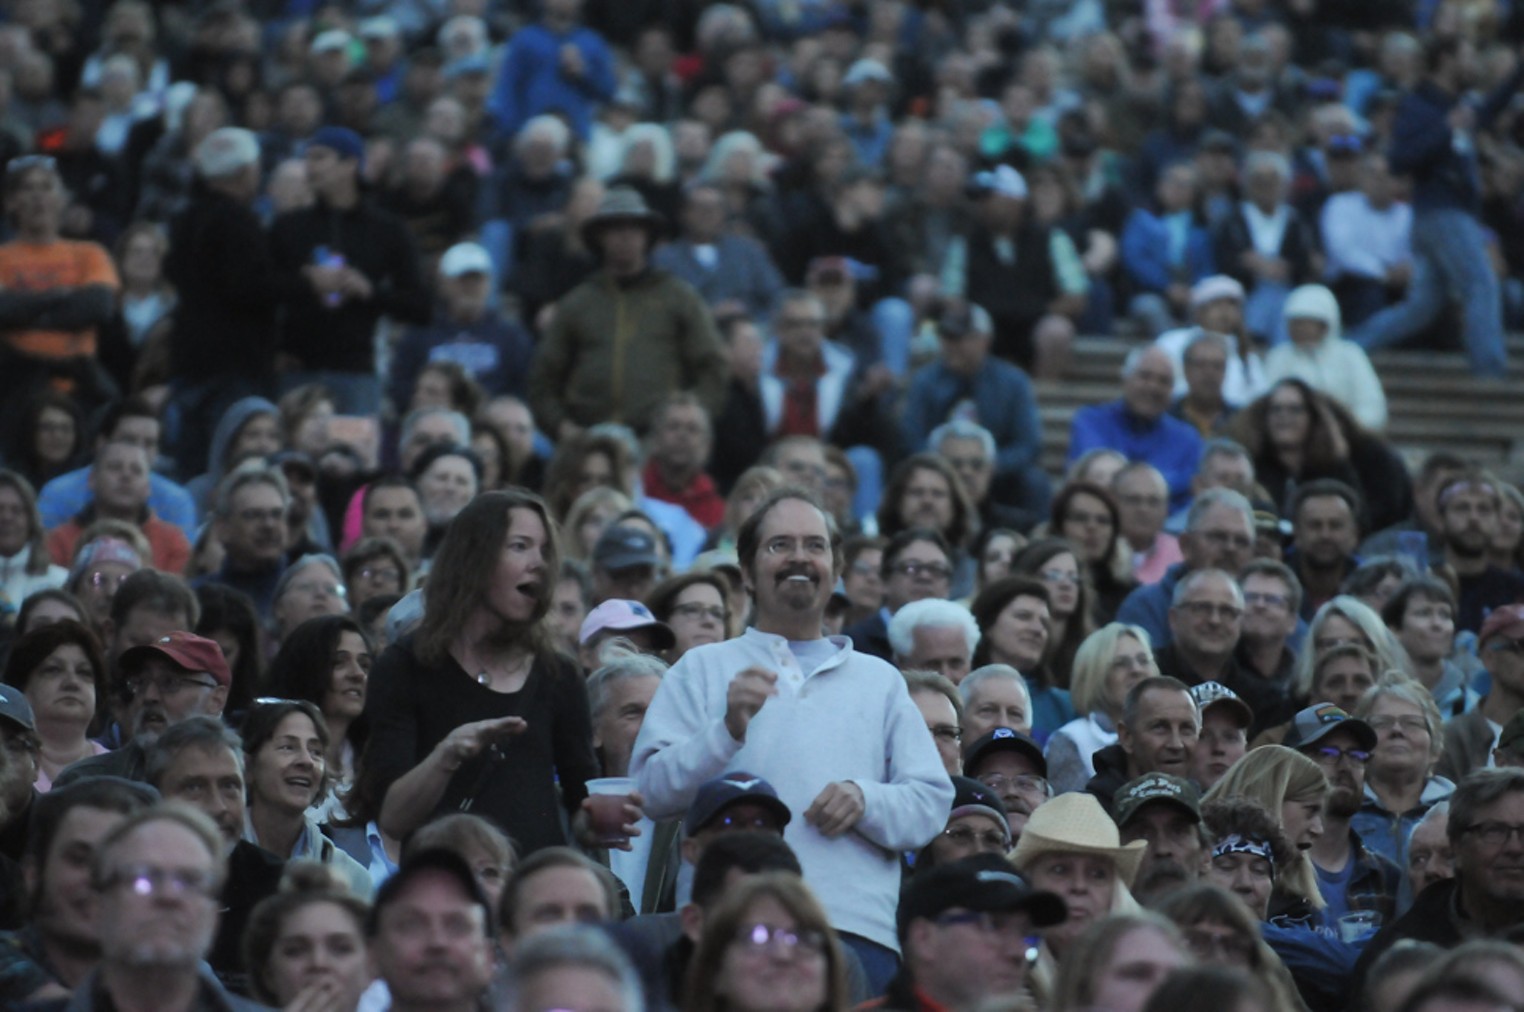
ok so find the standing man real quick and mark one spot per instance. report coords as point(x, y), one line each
point(1434, 142)
point(222, 345)
point(347, 264)
point(627, 336)
point(557, 66)
point(867, 789)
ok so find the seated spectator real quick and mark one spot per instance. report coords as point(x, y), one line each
point(1205, 622)
point(994, 551)
point(963, 932)
point(916, 565)
point(1430, 858)
point(391, 508)
point(1204, 363)
point(1294, 434)
point(1224, 737)
point(1087, 516)
point(680, 442)
point(1217, 307)
point(18, 795)
point(373, 567)
point(1160, 270)
point(1468, 507)
point(1325, 529)
point(569, 965)
point(1138, 425)
point(25, 566)
point(435, 889)
point(626, 564)
point(1422, 614)
point(1142, 497)
point(1265, 660)
point(60, 670)
point(249, 430)
point(1218, 929)
point(447, 479)
point(1365, 236)
point(966, 384)
point(101, 564)
point(1157, 733)
point(1400, 780)
point(934, 635)
point(310, 914)
point(131, 421)
point(995, 696)
point(1376, 579)
point(1015, 627)
point(120, 491)
point(1165, 812)
point(1108, 663)
point(1265, 244)
point(1470, 739)
point(976, 825)
point(251, 515)
point(729, 270)
point(1009, 764)
point(1071, 601)
point(942, 707)
point(924, 491)
point(1318, 354)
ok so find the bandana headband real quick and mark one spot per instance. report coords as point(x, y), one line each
point(1236, 844)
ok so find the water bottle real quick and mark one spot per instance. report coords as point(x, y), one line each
point(325, 257)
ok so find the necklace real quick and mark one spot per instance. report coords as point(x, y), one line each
point(484, 674)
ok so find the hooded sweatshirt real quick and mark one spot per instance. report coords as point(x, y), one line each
point(1333, 366)
point(204, 488)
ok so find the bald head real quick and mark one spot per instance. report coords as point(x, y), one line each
point(1148, 379)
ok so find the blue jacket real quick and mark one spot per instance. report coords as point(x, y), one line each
point(1173, 446)
point(1002, 400)
point(494, 351)
point(1443, 166)
point(1148, 606)
point(1145, 253)
point(742, 270)
point(68, 494)
point(530, 81)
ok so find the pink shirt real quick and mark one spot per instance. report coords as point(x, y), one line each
point(1149, 566)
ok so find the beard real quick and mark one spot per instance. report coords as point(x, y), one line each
point(1159, 878)
point(1344, 802)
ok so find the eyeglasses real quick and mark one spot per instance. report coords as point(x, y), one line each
point(760, 937)
point(1059, 576)
point(1331, 755)
point(1227, 945)
point(749, 823)
point(1412, 725)
point(1223, 539)
point(699, 611)
point(148, 880)
point(318, 588)
point(106, 581)
point(165, 685)
point(986, 840)
point(947, 732)
point(1206, 609)
point(1026, 783)
point(1495, 834)
point(1254, 597)
point(379, 576)
point(785, 547)
point(935, 570)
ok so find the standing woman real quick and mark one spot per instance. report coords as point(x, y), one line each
point(476, 710)
point(59, 669)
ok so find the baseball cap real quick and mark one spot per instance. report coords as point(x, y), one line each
point(1002, 180)
point(102, 550)
point(984, 883)
point(1161, 787)
point(14, 707)
point(1209, 694)
point(1507, 620)
point(1003, 739)
point(962, 318)
point(382, 26)
point(465, 258)
point(1218, 286)
point(622, 616)
point(427, 860)
point(970, 797)
point(1513, 731)
point(714, 796)
point(186, 651)
point(717, 559)
point(867, 70)
point(332, 41)
point(624, 546)
point(1311, 724)
point(342, 140)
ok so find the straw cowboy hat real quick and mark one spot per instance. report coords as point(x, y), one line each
point(1076, 823)
point(622, 204)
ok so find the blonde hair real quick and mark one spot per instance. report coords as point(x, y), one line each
point(1273, 775)
point(1383, 642)
point(602, 497)
point(1092, 952)
point(1092, 665)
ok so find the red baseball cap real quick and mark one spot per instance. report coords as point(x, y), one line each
point(186, 651)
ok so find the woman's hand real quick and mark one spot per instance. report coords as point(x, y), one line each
point(593, 825)
point(469, 740)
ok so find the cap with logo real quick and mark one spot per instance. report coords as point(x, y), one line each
point(1159, 788)
point(1004, 739)
point(15, 708)
point(625, 546)
point(714, 796)
point(1319, 720)
point(1507, 620)
point(619, 615)
point(1210, 694)
point(970, 797)
point(983, 883)
point(184, 650)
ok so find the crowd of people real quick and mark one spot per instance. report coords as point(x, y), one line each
point(543, 506)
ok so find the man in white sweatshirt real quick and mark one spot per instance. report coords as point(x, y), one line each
point(834, 730)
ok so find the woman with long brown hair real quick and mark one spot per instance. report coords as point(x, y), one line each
point(476, 711)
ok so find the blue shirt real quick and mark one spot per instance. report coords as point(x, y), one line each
point(531, 81)
point(1169, 444)
point(64, 496)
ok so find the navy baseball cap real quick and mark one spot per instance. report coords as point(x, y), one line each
point(1005, 739)
point(719, 794)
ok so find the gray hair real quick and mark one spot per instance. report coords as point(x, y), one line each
point(243, 477)
point(1189, 582)
point(576, 945)
point(931, 681)
point(1210, 500)
point(617, 669)
point(728, 144)
point(225, 152)
point(789, 296)
point(1272, 160)
point(1222, 446)
point(1204, 336)
point(962, 428)
point(461, 422)
point(201, 731)
point(656, 135)
point(1478, 790)
point(990, 673)
point(1439, 813)
point(931, 613)
point(1135, 358)
point(310, 559)
point(550, 127)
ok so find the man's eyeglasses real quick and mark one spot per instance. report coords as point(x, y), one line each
point(147, 880)
point(813, 547)
point(1504, 645)
point(1254, 597)
point(166, 685)
point(1206, 609)
point(1331, 755)
point(1495, 834)
point(380, 577)
point(1026, 783)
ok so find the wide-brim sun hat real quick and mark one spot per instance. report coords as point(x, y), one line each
point(1075, 823)
point(622, 204)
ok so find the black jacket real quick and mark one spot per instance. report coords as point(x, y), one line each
point(219, 262)
point(374, 242)
point(1433, 917)
point(1110, 775)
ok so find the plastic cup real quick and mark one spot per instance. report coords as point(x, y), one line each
point(1358, 925)
point(607, 797)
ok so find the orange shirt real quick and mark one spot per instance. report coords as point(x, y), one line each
point(64, 263)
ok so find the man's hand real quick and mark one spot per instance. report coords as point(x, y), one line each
point(1462, 117)
point(748, 691)
point(355, 285)
point(324, 280)
point(469, 740)
point(836, 809)
point(572, 63)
